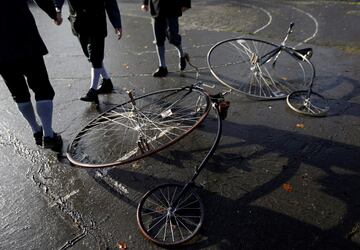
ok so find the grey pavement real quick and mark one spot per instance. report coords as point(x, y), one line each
point(278, 180)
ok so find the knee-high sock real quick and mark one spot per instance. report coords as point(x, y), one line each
point(161, 55)
point(27, 111)
point(95, 76)
point(104, 74)
point(180, 50)
point(44, 109)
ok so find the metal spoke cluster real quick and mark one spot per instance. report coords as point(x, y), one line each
point(308, 103)
point(129, 132)
point(168, 216)
point(259, 69)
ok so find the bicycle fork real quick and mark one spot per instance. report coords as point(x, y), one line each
point(141, 142)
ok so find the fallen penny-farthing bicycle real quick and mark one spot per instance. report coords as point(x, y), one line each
point(264, 70)
point(170, 214)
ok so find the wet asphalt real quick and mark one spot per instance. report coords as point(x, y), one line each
point(278, 180)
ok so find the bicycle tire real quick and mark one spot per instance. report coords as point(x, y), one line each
point(162, 223)
point(306, 103)
point(126, 133)
point(234, 63)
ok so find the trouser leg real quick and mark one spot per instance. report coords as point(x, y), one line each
point(159, 29)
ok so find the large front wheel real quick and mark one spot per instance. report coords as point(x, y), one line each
point(139, 128)
point(259, 69)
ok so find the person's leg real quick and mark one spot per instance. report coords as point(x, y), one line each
point(27, 110)
point(106, 85)
point(103, 72)
point(44, 109)
point(175, 39)
point(38, 81)
point(15, 81)
point(95, 50)
point(159, 29)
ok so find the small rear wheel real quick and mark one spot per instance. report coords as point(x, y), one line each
point(169, 216)
point(308, 103)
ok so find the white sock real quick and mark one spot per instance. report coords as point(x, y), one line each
point(161, 55)
point(45, 110)
point(180, 50)
point(27, 111)
point(95, 76)
point(104, 74)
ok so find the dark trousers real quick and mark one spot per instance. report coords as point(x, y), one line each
point(37, 79)
point(166, 27)
point(93, 47)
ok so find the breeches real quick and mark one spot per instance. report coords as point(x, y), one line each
point(166, 27)
point(93, 47)
point(37, 79)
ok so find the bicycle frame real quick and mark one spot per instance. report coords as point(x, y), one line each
point(198, 168)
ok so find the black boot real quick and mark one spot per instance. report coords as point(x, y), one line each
point(160, 72)
point(38, 136)
point(91, 96)
point(54, 143)
point(106, 87)
point(182, 63)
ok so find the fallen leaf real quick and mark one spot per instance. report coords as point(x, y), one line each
point(122, 245)
point(287, 187)
point(300, 125)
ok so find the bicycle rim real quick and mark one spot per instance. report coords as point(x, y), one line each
point(127, 132)
point(166, 223)
point(306, 103)
point(235, 63)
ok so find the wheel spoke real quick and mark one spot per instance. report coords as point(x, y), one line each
point(265, 70)
point(179, 224)
point(156, 121)
point(307, 103)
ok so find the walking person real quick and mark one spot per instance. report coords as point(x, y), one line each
point(88, 24)
point(165, 14)
point(22, 67)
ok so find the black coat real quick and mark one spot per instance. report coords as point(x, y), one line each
point(167, 8)
point(19, 36)
point(89, 16)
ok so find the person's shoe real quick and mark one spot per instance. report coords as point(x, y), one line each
point(182, 63)
point(106, 87)
point(91, 96)
point(38, 136)
point(54, 143)
point(160, 72)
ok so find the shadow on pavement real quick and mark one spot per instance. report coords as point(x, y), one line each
point(240, 224)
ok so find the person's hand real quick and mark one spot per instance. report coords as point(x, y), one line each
point(144, 8)
point(183, 9)
point(118, 32)
point(58, 19)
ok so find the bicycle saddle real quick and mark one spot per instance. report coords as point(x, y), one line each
point(306, 52)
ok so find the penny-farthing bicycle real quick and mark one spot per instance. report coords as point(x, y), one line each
point(169, 214)
point(263, 70)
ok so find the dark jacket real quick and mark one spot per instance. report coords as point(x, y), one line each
point(89, 17)
point(167, 8)
point(19, 36)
